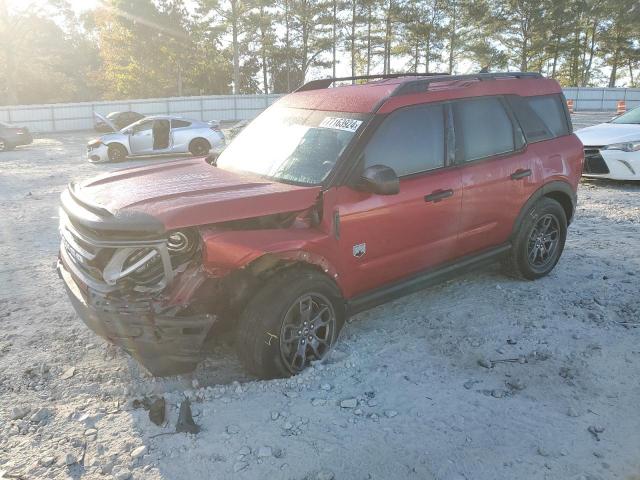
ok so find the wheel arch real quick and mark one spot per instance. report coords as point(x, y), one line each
point(246, 280)
point(557, 190)
point(195, 139)
point(276, 262)
point(112, 143)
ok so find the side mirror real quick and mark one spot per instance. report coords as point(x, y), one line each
point(380, 179)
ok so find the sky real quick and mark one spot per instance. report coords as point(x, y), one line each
point(22, 5)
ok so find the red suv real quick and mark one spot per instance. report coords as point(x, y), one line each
point(332, 201)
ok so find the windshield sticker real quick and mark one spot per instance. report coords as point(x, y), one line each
point(346, 124)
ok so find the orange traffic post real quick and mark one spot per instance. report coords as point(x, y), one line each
point(570, 105)
point(621, 107)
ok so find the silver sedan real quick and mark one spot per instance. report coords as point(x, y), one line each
point(157, 135)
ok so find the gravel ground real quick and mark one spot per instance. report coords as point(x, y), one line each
point(484, 377)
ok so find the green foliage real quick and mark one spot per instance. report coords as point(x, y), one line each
point(158, 48)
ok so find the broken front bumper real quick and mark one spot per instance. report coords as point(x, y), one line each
point(164, 343)
point(97, 153)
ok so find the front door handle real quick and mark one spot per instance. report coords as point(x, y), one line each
point(519, 174)
point(438, 195)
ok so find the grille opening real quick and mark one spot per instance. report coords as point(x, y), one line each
point(593, 162)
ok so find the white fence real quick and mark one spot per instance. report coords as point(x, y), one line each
point(602, 99)
point(64, 117)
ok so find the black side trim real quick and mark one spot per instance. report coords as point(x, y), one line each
point(424, 279)
point(546, 189)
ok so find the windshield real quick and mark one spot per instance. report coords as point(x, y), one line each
point(291, 144)
point(632, 116)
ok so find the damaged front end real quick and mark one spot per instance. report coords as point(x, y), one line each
point(136, 286)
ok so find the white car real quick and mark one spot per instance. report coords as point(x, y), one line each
point(157, 135)
point(612, 149)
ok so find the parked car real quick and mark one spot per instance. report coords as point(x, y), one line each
point(117, 121)
point(157, 135)
point(612, 149)
point(330, 202)
point(237, 127)
point(12, 136)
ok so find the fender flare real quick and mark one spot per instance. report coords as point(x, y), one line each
point(300, 257)
point(547, 190)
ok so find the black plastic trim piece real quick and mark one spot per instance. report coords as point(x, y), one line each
point(548, 188)
point(97, 218)
point(424, 279)
point(419, 86)
point(520, 174)
point(438, 195)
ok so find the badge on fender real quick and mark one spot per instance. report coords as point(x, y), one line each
point(359, 250)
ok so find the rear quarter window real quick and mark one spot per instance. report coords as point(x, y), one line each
point(550, 110)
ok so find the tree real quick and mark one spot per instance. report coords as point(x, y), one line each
point(309, 27)
point(45, 37)
point(620, 36)
point(260, 20)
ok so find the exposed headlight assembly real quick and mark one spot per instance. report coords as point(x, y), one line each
point(632, 146)
point(144, 264)
point(182, 241)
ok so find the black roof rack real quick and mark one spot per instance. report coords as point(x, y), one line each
point(327, 82)
point(417, 86)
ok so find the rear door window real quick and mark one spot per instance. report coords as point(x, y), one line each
point(551, 111)
point(410, 141)
point(482, 129)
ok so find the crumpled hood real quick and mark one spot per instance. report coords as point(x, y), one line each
point(191, 192)
point(608, 133)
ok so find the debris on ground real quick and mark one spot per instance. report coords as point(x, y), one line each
point(185, 419)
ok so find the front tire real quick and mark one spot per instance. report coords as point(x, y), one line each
point(199, 147)
point(117, 152)
point(5, 146)
point(294, 319)
point(539, 241)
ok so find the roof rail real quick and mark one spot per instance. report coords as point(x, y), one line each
point(327, 82)
point(417, 86)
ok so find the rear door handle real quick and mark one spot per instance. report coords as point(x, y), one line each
point(438, 195)
point(519, 174)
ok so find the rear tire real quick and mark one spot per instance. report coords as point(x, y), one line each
point(294, 319)
point(539, 241)
point(117, 152)
point(199, 147)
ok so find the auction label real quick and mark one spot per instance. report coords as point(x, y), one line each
point(346, 124)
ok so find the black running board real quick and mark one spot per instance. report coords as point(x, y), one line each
point(422, 280)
